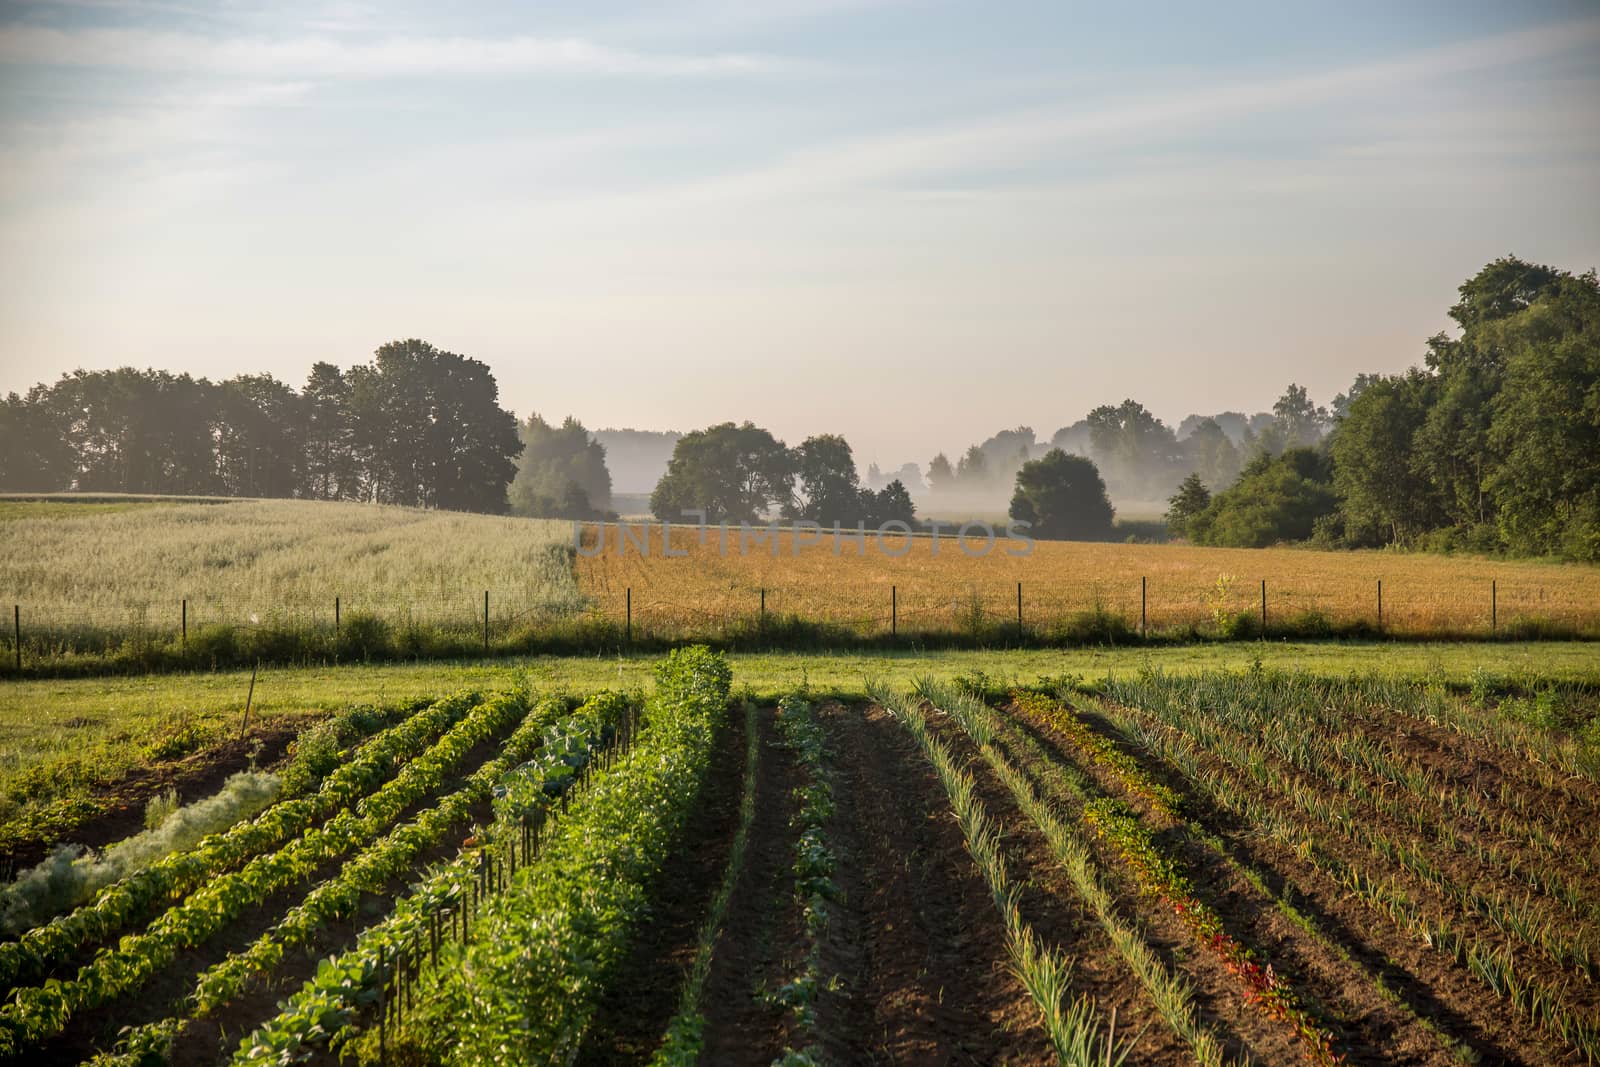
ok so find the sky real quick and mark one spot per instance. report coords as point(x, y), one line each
point(911, 223)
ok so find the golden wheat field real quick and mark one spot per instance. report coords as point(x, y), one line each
point(942, 588)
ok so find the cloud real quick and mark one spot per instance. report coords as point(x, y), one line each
point(328, 57)
point(1018, 137)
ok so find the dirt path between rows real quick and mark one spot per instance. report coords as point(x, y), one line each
point(917, 942)
point(761, 934)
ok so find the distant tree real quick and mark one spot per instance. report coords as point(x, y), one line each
point(1276, 499)
point(35, 456)
point(972, 470)
point(430, 431)
point(1191, 500)
point(941, 476)
point(1210, 453)
point(135, 431)
point(830, 489)
point(910, 478)
point(1004, 454)
point(561, 472)
point(1342, 401)
point(1380, 482)
point(895, 504)
point(1076, 439)
point(330, 470)
point(1138, 452)
point(731, 472)
point(1296, 422)
point(260, 436)
point(1063, 498)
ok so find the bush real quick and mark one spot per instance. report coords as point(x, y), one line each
point(364, 636)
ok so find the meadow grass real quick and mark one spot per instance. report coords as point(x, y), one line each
point(107, 578)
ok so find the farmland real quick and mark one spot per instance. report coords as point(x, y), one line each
point(1026, 857)
point(133, 586)
point(718, 583)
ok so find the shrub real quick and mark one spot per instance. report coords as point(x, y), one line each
point(364, 636)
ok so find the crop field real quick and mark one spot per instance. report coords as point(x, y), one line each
point(720, 583)
point(125, 568)
point(941, 862)
point(134, 585)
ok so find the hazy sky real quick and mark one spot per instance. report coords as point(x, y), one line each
point(910, 223)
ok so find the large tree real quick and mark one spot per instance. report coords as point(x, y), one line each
point(1454, 441)
point(35, 456)
point(260, 436)
point(135, 431)
point(430, 430)
point(330, 470)
point(734, 473)
point(1545, 429)
point(1381, 483)
point(1062, 498)
point(830, 488)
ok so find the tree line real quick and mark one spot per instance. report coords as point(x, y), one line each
point(416, 426)
point(1491, 445)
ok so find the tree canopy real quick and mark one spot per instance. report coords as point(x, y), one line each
point(1062, 497)
point(415, 426)
point(730, 472)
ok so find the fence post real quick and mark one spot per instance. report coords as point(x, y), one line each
point(336, 619)
point(894, 620)
point(185, 624)
point(1019, 613)
point(486, 622)
point(1494, 607)
point(1263, 607)
point(1380, 603)
point(248, 697)
point(763, 607)
point(16, 622)
point(630, 615)
point(1143, 612)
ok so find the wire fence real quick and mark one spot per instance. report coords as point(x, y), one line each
point(867, 610)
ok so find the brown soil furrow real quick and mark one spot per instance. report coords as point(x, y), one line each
point(1051, 905)
point(762, 929)
point(1466, 1009)
point(1369, 1028)
point(919, 944)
